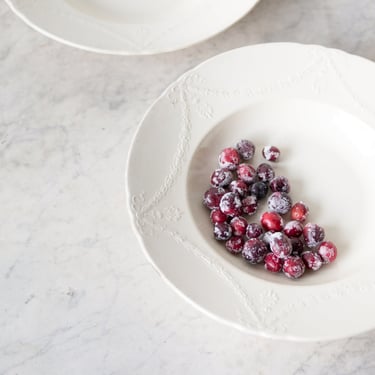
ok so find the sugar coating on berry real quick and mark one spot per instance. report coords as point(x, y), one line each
point(272, 221)
point(293, 267)
point(265, 172)
point(299, 211)
point(312, 260)
point(279, 202)
point(246, 149)
point(239, 225)
point(313, 234)
point(280, 183)
point(217, 216)
point(267, 237)
point(254, 230)
point(246, 173)
point(230, 204)
point(254, 250)
point(240, 187)
point(297, 246)
point(249, 205)
point(270, 153)
point(212, 197)
point(280, 245)
point(222, 231)
point(293, 229)
point(328, 251)
point(221, 177)
point(229, 158)
point(272, 263)
point(235, 245)
point(259, 189)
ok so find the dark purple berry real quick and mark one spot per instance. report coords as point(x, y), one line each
point(254, 230)
point(265, 172)
point(212, 197)
point(259, 189)
point(279, 202)
point(297, 246)
point(312, 260)
point(254, 250)
point(313, 235)
point(222, 231)
point(280, 183)
point(271, 153)
point(221, 177)
point(246, 149)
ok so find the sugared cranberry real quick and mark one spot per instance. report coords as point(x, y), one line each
point(235, 245)
point(229, 158)
point(230, 204)
point(239, 225)
point(212, 197)
point(265, 172)
point(297, 246)
point(299, 211)
point(222, 231)
point(293, 229)
point(259, 189)
point(254, 250)
point(217, 216)
point(312, 260)
point(279, 202)
point(280, 245)
point(272, 263)
point(267, 238)
point(221, 177)
point(254, 230)
point(272, 221)
point(249, 205)
point(246, 149)
point(313, 234)
point(246, 173)
point(328, 251)
point(280, 183)
point(293, 267)
point(240, 187)
point(270, 153)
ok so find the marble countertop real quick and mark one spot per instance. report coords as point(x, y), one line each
point(77, 295)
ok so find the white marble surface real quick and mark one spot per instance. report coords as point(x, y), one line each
point(76, 293)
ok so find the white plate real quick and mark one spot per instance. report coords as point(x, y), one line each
point(129, 27)
point(313, 103)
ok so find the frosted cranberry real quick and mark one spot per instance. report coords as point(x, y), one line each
point(265, 172)
point(212, 197)
point(217, 216)
point(279, 202)
point(246, 149)
point(267, 238)
point(297, 246)
point(272, 263)
point(259, 189)
point(254, 230)
point(249, 205)
point(272, 221)
point(280, 245)
point(313, 234)
point(222, 231)
point(254, 250)
point(293, 267)
point(221, 177)
point(240, 187)
point(312, 260)
point(246, 173)
point(280, 183)
point(328, 251)
point(234, 245)
point(229, 158)
point(270, 153)
point(230, 204)
point(239, 225)
point(293, 229)
point(299, 211)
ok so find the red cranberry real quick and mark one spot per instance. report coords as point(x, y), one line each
point(247, 173)
point(217, 216)
point(297, 246)
point(280, 183)
point(280, 245)
point(293, 229)
point(239, 225)
point(229, 158)
point(249, 205)
point(240, 187)
point(328, 251)
point(254, 250)
point(212, 197)
point(246, 149)
point(293, 267)
point(270, 153)
point(299, 212)
point(272, 263)
point(279, 202)
point(222, 231)
point(221, 177)
point(272, 221)
point(265, 172)
point(254, 230)
point(259, 189)
point(312, 260)
point(230, 204)
point(234, 245)
point(313, 235)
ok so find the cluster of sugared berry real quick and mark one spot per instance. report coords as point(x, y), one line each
point(236, 189)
